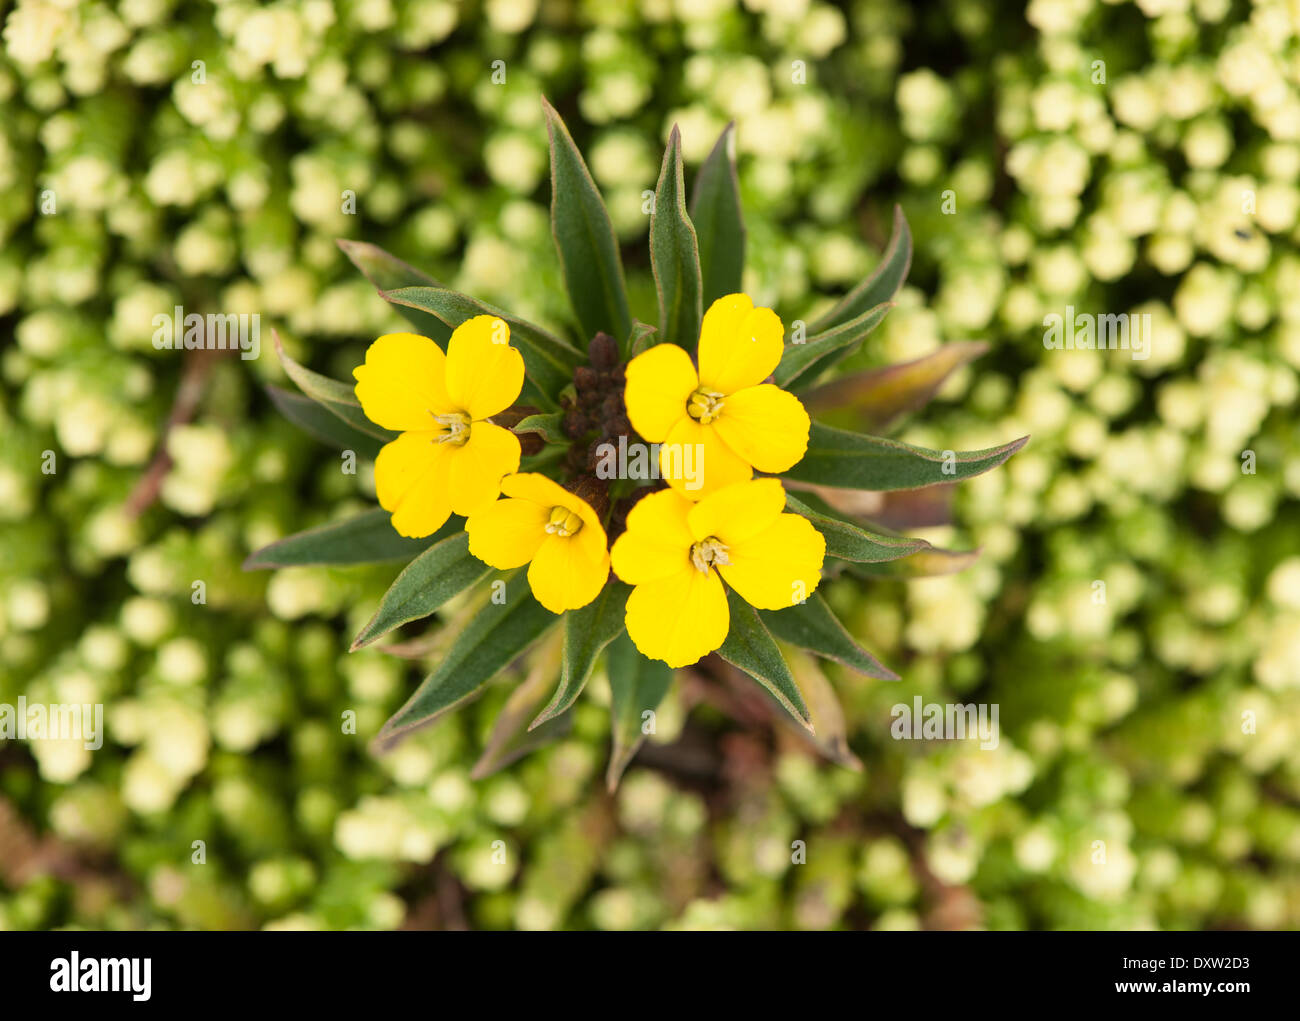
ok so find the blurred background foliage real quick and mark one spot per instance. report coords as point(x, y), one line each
point(1164, 721)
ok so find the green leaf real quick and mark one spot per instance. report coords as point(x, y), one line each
point(877, 398)
point(882, 285)
point(719, 222)
point(636, 685)
point(491, 641)
point(586, 633)
point(548, 426)
point(339, 399)
point(428, 581)
point(847, 541)
point(750, 647)
point(830, 730)
point(857, 461)
point(366, 539)
point(822, 350)
point(641, 338)
point(387, 273)
point(675, 253)
point(584, 238)
point(548, 360)
point(925, 564)
point(811, 625)
point(511, 738)
point(314, 420)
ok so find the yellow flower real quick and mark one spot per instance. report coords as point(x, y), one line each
point(543, 522)
point(674, 551)
point(727, 418)
point(449, 458)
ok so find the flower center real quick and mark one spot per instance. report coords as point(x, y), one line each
point(563, 522)
point(457, 426)
point(708, 553)
point(704, 405)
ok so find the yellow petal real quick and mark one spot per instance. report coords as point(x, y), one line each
point(695, 461)
point(536, 488)
point(412, 482)
point(779, 566)
point(563, 574)
point(657, 542)
point(401, 386)
point(740, 345)
point(507, 533)
point(737, 512)
point(478, 465)
point(678, 619)
point(484, 373)
point(659, 384)
point(766, 426)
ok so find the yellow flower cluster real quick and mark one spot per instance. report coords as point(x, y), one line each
point(680, 546)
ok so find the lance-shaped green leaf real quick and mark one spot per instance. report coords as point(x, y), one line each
point(587, 631)
point(847, 541)
point(882, 285)
point(637, 685)
point(492, 639)
point(339, 399)
point(511, 738)
point(925, 564)
point(750, 647)
point(830, 730)
point(428, 581)
point(584, 238)
point(314, 420)
point(877, 398)
point(549, 427)
point(387, 273)
point(366, 539)
point(643, 336)
point(811, 625)
point(675, 253)
point(548, 360)
point(719, 222)
point(823, 350)
point(857, 461)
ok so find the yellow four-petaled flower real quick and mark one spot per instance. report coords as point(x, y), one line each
point(677, 554)
point(449, 458)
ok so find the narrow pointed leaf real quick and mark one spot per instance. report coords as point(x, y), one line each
point(317, 422)
point(492, 639)
point(847, 541)
point(925, 564)
point(428, 581)
point(641, 338)
point(637, 685)
point(719, 222)
point(750, 647)
point(811, 625)
point(584, 238)
point(882, 285)
point(830, 729)
point(822, 350)
point(586, 633)
point(338, 398)
point(875, 399)
point(511, 738)
point(387, 273)
point(857, 461)
point(366, 539)
point(548, 427)
point(675, 253)
point(548, 360)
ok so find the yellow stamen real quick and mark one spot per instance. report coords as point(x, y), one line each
point(457, 425)
point(709, 552)
point(563, 522)
point(704, 405)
